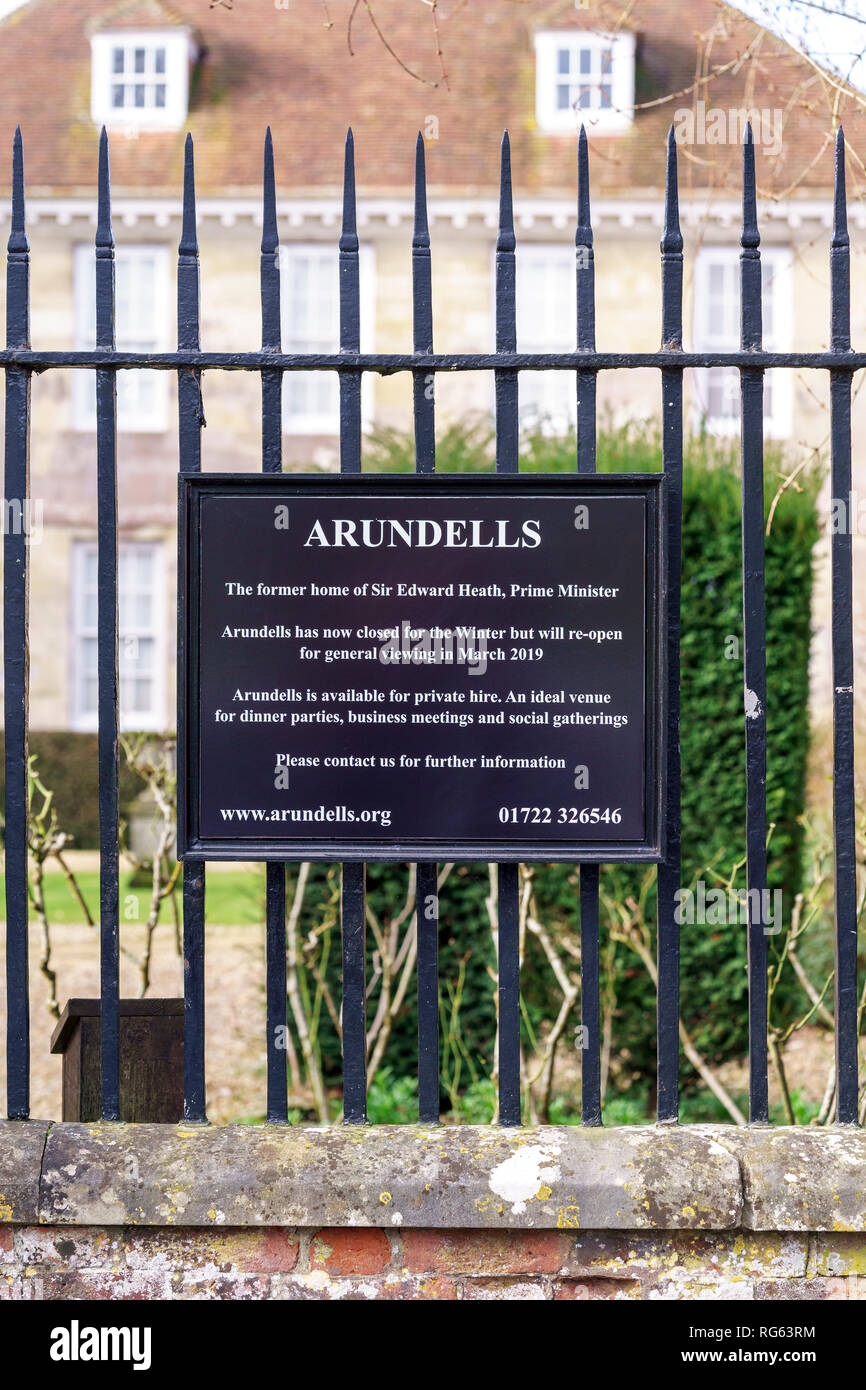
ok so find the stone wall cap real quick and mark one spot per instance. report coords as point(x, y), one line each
point(22, 1145)
point(629, 1178)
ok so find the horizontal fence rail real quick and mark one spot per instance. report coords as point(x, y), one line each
point(387, 363)
point(20, 361)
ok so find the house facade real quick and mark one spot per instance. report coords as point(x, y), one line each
point(152, 69)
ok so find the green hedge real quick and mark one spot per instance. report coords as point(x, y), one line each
point(67, 765)
point(713, 960)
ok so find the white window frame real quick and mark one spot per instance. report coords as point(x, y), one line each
point(328, 423)
point(85, 720)
point(777, 337)
point(180, 53)
point(150, 420)
point(541, 336)
point(612, 120)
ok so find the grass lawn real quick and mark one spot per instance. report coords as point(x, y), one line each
point(234, 898)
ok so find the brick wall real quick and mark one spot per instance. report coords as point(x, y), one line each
point(61, 1263)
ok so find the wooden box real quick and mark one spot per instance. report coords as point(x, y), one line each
point(151, 1059)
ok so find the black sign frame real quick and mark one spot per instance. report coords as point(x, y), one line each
point(192, 487)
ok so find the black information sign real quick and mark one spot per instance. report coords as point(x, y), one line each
point(421, 668)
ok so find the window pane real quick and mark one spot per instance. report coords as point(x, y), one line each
point(142, 696)
point(139, 94)
point(585, 60)
point(563, 96)
point(767, 298)
point(159, 93)
point(144, 566)
point(117, 95)
point(585, 99)
point(117, 60)
point(716, 278)
point(142, 606)
point(722, 396)
point(139, 60)
point(562, 60)
point(139, 656)
point(89, 656)
point(159, 60)
point(605, 96)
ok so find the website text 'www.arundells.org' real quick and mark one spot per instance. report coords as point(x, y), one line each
point(338, 815)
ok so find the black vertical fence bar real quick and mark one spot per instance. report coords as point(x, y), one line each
point(507, 461)
point(426, 896)
point(106, 525)
point(15, 647)
point(585, 261)
point(272, 462)
point(669, 871)
point(350, 319)
point(190, 421)
point(354, 1014)
point(427, 926)
point(754, 635)
point(843, 663)
point(423, 383)
point(590, 1076)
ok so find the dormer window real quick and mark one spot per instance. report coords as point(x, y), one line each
point(140, 78)
point(584, 78)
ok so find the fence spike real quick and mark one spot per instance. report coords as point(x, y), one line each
point(840, 200)
point(349, 236)
point(505, 240)
point(270, 234)
point(583, 236)
point(672, 239)
point(189, 235)
point(421, 229)
point(750, 255)
point(18, 244)
point(583, 241)
point(422, 319)
point(672, 254)
point(104, 234)
point(750, 238)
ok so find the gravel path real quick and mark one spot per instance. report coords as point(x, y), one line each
point(235, 1021)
